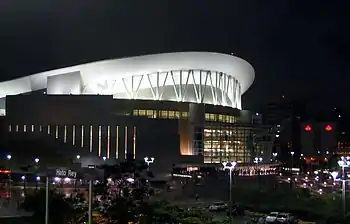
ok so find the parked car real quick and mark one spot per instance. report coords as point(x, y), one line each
point(218, 206)
point(272, 217)
point(285, 218)
point(236, 210)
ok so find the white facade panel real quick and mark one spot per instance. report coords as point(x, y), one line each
point(199, 77)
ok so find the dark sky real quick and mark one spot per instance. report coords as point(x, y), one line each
point(299, 48)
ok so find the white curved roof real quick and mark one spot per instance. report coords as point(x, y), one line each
point(232, 66)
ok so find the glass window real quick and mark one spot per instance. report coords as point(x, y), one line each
point(149, 113)
point(212, 117)
point(164, 114)
point(177, 114)
point(184, 115)
point(171, 114)
point(221, 118)
point(135, 112)
point(142, 112)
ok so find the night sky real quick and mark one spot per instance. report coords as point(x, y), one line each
point(299, 49)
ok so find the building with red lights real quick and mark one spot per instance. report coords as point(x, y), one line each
point(318, 139)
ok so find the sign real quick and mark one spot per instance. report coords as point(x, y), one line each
point(66, 173)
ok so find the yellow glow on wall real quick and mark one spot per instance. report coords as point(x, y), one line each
point(73, 135)
point(65, 134)
point(99, 140)
point(82, 136)
point(117, 142)
point(90, 143)
point(126, 141)
point(56, 132)
point(134, 142)
point(108, 140)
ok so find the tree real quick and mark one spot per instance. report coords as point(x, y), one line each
point(60, 210)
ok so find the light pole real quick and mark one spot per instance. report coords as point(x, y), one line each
point(24, 183)
point(344, 162)
point(274, 155)
point(47, 200)
point(36, 182)
point(230, 166)
point(334, 174)
point(8, 158)
point(292, 153)
point(149, 160)
point(257, 160)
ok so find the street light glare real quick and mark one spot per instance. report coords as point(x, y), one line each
point(8, 157)
point(229, 165)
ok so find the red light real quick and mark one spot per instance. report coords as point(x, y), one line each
point(328, 128)
point(307, 128)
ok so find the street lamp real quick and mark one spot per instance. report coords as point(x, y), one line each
point(344, 162)
point(36, 182)
point(292, 153)
point(8, 158)
point(78, 157)
point(24, 182)
point(274, 155)
point(104, 158)
point(149, 160)
point(230, 166)
point(36, 160)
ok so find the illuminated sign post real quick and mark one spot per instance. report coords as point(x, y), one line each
point(66, 173)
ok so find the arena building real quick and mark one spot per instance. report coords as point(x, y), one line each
point(181, 107)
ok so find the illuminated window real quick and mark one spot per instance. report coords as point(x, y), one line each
point(177, 114)
point(211, 117)
point(99, 140)
point(41, 128)
point(82, 136)
point(171, 114)
point(135, 112)
point(142, 113)
point(307, 128)
point(65, 134)
point(90, 140)
point(24, 128)
point(134, 142)
point(184, 115)
point(221, 118)
point(149, 113)
point(10, 128)
point(56, 132)
point(328, 127)
point(73, 135)
point(33, 128)
point(117, 142)
point(48, 129)
point(125, 141)
point(164, 114)
point(108, 140)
